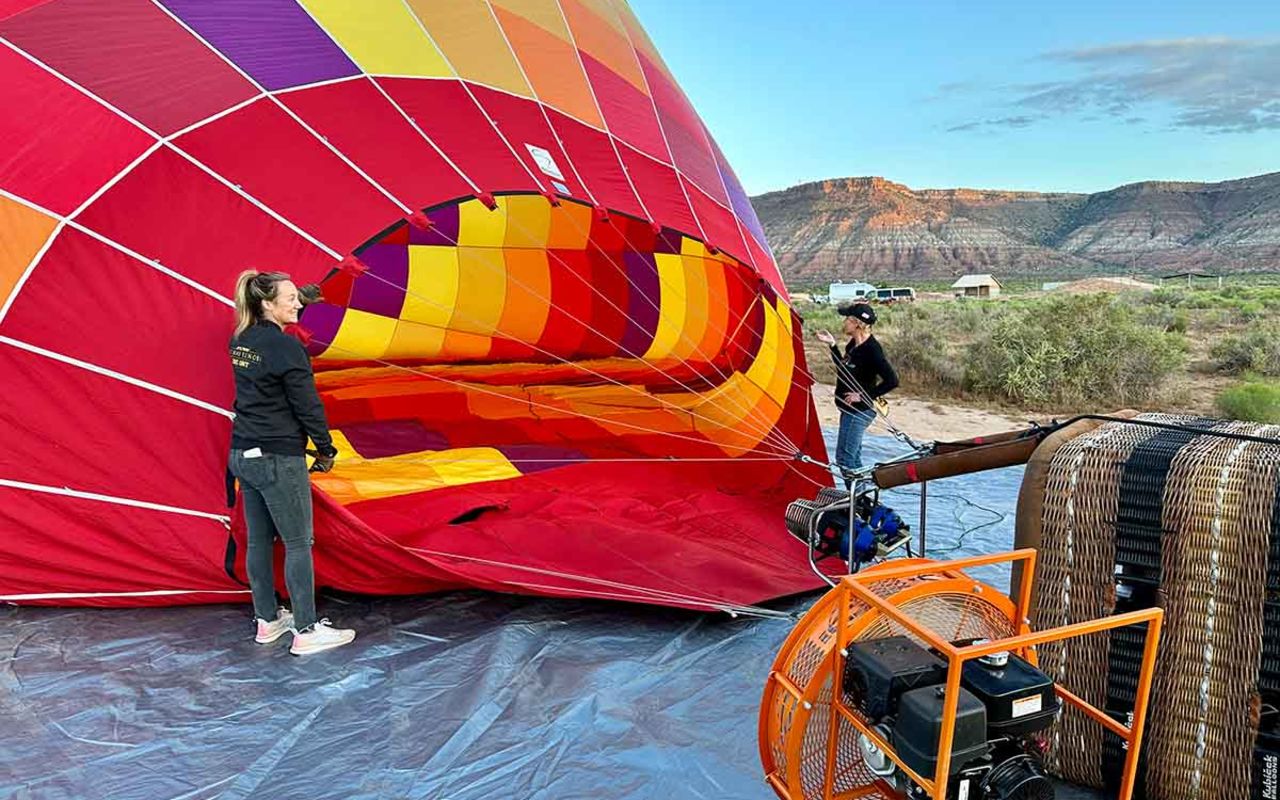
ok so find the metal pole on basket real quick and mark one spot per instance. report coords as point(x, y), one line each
point(924, 487)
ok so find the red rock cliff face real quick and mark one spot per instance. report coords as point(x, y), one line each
point(870, 226)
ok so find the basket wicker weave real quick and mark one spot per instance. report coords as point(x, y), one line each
point(1192, 522)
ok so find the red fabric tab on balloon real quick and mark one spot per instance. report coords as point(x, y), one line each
point(353, 266)
point(487, 199)
point(421, 221)
point(300, 333)
point(602, 213)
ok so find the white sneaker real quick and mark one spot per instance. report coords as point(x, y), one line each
point(322, 636)
point(268, 632)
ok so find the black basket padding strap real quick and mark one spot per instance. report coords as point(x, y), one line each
point(1139, 542)
point(1265, 777)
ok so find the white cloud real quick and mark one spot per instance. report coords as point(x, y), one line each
point(1216, 84)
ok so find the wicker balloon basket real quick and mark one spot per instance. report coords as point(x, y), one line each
point(1129, 516)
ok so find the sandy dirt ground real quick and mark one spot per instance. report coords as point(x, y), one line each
point(923, 420)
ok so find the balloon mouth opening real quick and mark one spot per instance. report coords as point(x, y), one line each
point(549, 333)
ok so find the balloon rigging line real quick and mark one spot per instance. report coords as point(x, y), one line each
point(557, 410)
point(779, 561)
point(538, 102)
point(202, 166)
point(165, 142)
point(568, 362)
point(285, 108)
point(768, 428)
point(112, 499)
point(683, 333)
point(182, 153)
point(764, 432)
point(277, 216)
point(119, 376)
point(763, 426)
point(657, 593)
point(567, 461)
point(466, 88)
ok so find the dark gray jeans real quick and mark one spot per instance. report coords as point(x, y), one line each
point(277, 501)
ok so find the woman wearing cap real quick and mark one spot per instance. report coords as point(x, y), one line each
point(862, 375)
point(277, 409)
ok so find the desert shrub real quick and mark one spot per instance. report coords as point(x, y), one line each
point(1167, 318)
point(1249, 310)
point(917, 346)
point(1165, 297)
point(1255, 350)
point(1254, 401)
point(1085, 351)
point(818, 318)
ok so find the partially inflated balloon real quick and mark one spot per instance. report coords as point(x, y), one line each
point(554, 349)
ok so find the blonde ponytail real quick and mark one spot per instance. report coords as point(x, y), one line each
point(252, 287)
point(244, 317)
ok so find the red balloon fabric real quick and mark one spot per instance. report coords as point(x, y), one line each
point(555, 351)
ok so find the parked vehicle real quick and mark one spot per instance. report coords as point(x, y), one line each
point(897, 294)
point(844, 293)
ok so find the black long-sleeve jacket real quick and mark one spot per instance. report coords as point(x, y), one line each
point(277, 405)
point(867, 365)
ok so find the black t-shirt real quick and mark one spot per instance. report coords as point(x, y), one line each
point(277, 405)
point(866, 365)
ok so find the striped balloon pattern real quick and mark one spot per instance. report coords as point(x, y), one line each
point(554, 348)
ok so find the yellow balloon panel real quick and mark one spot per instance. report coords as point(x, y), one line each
point(433, 285)
point(382, 36)
point(468, 34)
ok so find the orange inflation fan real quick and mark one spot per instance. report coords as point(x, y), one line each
point(940, 695)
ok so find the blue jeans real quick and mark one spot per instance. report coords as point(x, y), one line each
point(849, 443)
point(277, 501)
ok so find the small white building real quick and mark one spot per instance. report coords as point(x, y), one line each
point(982, 285)
point(840, 293)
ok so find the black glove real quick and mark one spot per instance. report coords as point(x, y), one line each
point(323, 462)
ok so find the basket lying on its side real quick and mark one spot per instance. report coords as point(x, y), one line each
point(1127, 516)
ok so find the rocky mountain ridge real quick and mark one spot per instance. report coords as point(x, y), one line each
point(870, 226)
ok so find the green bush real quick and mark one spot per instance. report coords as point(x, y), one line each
point(916, 345)
point(1085, 351)
point(1172, 298)
point(1255, 350)
point(1166, 318)
point(1256, 401)
point(1248, 310)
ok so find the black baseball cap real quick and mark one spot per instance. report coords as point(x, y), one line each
point(860, 311)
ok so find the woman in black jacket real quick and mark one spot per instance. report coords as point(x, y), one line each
point(863, 374)
point(277, 409)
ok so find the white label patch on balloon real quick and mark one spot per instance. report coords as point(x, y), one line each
point(545, 161)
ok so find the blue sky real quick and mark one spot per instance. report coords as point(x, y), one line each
point(1079, 96)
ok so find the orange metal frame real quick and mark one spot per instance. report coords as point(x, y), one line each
point(1024, 643)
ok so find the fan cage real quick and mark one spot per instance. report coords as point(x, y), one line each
point(809, 736)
